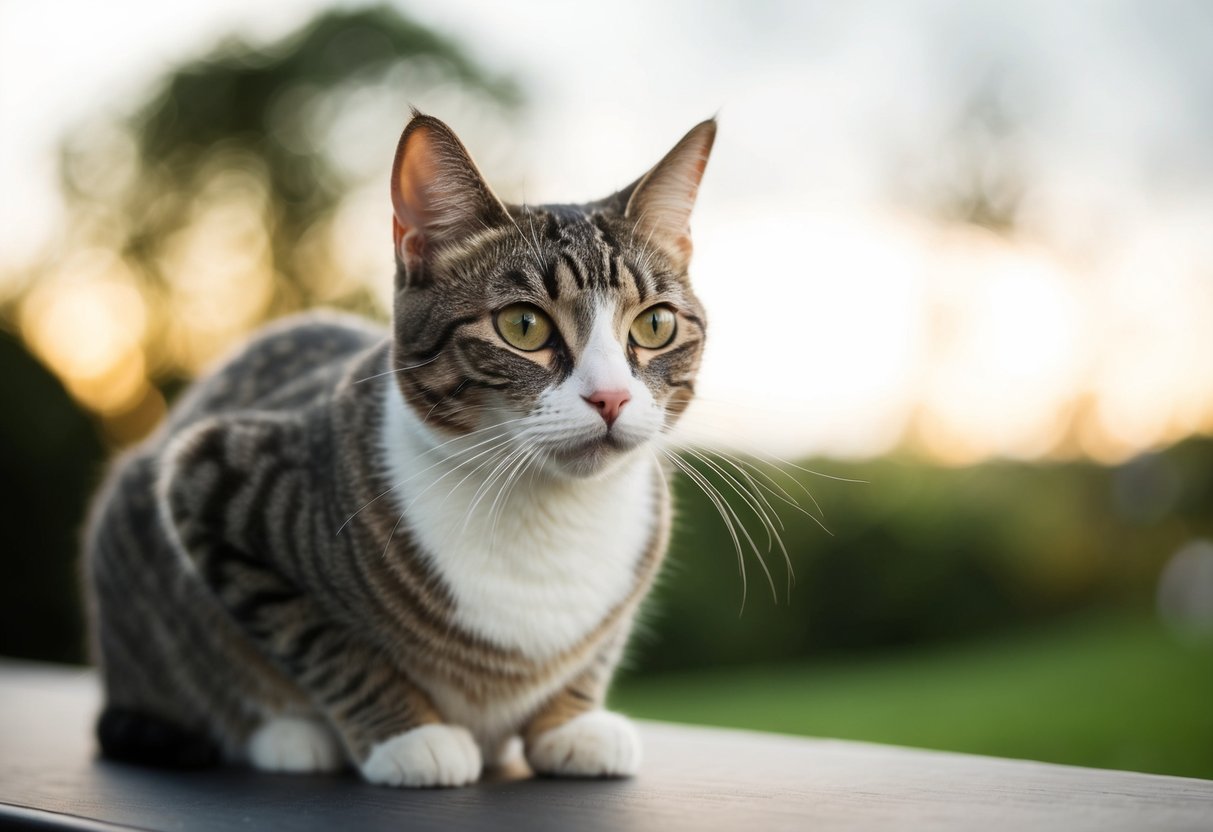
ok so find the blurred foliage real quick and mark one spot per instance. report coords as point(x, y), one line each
point(1113, 691)
point(264, 110)
point(225, 198)
point(51, 456)
point(920, 554)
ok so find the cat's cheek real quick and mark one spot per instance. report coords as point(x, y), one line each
point(642, 424)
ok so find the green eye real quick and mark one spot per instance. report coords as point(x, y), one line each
point(524, 326)
point(654, 328)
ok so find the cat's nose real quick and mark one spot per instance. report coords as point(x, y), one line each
point(608, 403)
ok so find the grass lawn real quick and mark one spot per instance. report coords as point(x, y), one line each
point(1112, 693)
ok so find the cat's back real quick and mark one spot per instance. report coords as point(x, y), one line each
point(287, 366)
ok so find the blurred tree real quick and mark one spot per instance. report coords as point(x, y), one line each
point(975, 173)
point(263, 110)
point(50, 455)
point(218, 202)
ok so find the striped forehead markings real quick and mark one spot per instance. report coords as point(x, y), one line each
point(588, 255)
point(551, 282)
point(574, 268)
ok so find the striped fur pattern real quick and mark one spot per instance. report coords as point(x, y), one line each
point(402, 549)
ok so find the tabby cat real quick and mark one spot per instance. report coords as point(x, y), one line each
point(400, 550)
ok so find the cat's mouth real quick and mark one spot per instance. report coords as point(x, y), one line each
point(590, 452)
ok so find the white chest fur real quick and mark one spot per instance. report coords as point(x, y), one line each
point(537, 569)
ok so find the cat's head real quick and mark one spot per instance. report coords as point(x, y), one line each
point(572, 327)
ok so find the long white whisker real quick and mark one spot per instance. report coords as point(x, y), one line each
point(458, 388)
point(534, 245)
point(719, 504)
point(756, 500)
point(762, 562)
point(777, 463)
point(398, 370)
point(511, 481)
point(423, 470)
point(483, 490)
point(490, 449)
point(741, 466)
point(782, 494)
point(725, 510)
point(388, 545)
point(744, 494)
point(530, 224)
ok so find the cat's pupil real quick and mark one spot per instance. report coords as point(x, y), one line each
point(653, 322)
point(526, 323)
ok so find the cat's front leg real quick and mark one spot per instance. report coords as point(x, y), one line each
point(436, 754)
point(596, 743)
point(386, 725)
point(574, 736)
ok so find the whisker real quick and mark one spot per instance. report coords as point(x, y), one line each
point(723, 506)
point(777, 464)
point(511, 483)
point(490, 449)
point(388, 545)
point(423, 470)
point(744, 497)
point(398, 370)
point(482, 491)
point(534, 245)
point(700, 416)
point(783, 495)
point(755, 500)
point(491, 460)
point(724, 516)
point(761, 560)
point(458, 389)
point(442, 445)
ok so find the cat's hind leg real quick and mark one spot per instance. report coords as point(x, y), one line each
point(183, 687)
point(387, 725)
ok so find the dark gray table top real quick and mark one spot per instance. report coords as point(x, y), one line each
point(693, 778)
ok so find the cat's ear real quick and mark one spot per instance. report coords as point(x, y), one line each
point(661, 202)
point(438, 195)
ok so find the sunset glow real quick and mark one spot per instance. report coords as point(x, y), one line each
point(849, 317)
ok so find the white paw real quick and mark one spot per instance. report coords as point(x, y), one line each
point(295, 744)
point(432, 755)
point(595, 744)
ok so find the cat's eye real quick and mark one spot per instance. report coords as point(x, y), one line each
point(654, 328)
point(524, 326)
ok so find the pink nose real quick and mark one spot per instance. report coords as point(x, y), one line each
point(608, 403)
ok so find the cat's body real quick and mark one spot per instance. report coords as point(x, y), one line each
point(403, 548)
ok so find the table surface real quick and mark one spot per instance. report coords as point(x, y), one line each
point(693, 778)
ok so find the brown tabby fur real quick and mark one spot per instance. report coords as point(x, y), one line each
point(241, 564)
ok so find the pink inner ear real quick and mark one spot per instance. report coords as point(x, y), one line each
point(415, 171)
point(410, 245)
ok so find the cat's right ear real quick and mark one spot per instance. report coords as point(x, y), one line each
point(438, 195)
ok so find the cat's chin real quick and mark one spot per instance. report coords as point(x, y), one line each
point(592, 458)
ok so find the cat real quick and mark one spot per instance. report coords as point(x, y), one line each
point(400, 550)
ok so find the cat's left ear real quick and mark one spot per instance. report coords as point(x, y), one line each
point(661, 202)
point(438, 195)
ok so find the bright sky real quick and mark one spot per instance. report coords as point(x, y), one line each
point(843, 319)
